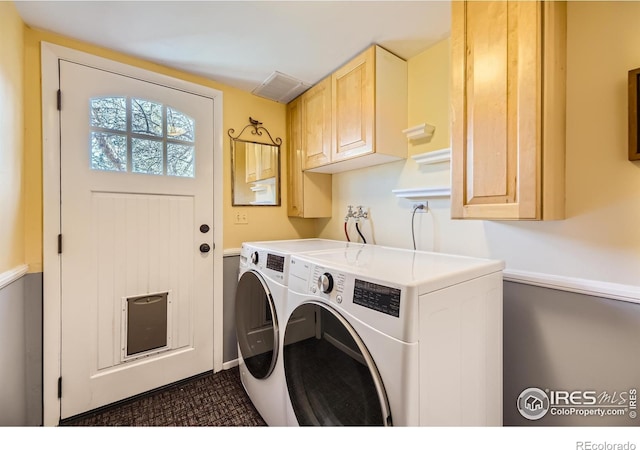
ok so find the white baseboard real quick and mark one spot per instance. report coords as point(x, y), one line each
point(8, 277)
point(614, 291)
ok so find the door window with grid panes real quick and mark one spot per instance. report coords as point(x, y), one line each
point(141, 136)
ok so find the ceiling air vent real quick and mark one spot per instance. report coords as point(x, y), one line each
point(281, 88)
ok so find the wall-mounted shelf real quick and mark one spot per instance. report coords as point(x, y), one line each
point(433, 157)
point(422, 131)
point(415, 194)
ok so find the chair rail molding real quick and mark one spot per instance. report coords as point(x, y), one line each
point(613, 291)
point(231, 252)
point(11, 275)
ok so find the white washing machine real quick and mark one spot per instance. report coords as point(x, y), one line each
point(400, 337)
point(260, 302)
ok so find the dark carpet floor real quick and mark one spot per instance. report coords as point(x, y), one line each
point(208, 400)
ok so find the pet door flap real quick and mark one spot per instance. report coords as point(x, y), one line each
point(146, 319)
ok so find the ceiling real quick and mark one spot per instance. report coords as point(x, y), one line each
point(242, 43)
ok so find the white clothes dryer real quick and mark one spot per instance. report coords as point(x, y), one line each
point(259, 307)
point(400, 337)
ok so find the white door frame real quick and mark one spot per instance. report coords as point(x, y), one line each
point(52, 306)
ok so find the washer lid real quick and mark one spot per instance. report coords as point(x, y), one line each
point(427, 271)
point(297, 245)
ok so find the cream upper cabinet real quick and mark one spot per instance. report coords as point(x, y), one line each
point(316, 124)
point(367, 113)
point(353, 107)
point(508, 110)
point(309, 194)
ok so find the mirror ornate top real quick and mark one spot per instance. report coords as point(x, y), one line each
point(255, 166)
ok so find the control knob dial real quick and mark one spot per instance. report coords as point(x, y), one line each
point(325, 282)
point(254, 258)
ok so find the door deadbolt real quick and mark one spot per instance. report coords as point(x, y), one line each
point(204, 228)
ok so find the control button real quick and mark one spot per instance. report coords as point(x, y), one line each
point(339, 298)
point(313, 289)
point(325, 282)
point(254, 257)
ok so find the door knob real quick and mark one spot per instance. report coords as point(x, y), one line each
point(204, 248)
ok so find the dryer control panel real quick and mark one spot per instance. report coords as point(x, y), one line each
point(275, 262)
point(327, 282)
point(319, 281)
point(375, 296)
point(381, 304)
point(271, 264)
point(330, 284)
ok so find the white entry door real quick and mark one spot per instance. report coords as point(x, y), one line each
point(137, 239)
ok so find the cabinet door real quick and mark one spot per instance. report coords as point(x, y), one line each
point(496, 95)
point(353, 107)
point(316, 125)
point(309, 193)
point(294, 191)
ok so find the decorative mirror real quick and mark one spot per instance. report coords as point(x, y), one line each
point(255, 166)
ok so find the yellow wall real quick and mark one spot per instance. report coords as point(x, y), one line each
point(11, 145)
point(599, 240)
point(264, 222)
point(429, 95)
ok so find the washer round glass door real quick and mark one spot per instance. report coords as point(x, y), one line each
point(256, 325)
point(331, 377)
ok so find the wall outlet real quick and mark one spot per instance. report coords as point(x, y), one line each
point(424, 209)
point(241, 218)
